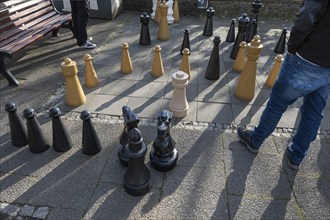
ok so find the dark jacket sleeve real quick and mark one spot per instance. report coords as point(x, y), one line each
point(307, 17)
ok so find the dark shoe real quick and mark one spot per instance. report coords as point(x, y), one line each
point(244, 136)
point(291, 164)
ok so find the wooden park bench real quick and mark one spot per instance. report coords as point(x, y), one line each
point(23, 22)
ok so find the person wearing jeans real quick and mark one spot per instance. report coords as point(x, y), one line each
point(305, 73)
point(80, 11)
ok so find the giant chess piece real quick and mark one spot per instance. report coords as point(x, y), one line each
point(61, 139)
point(18, 132)
point(186, 41)
point(247, 81)
point(240, 58)
point(163, 30)
point(231, 33)
point(185, 65)
point(163, 156)
point(170, 18)
point(179, 104)
point(75, 95)
point(280, 46)
point(36, 139)
point(157, 68)
point(157, 14)
point(213, 67)
point(208, 28)
point(144, 33)
point(90, 141)
point(137, 179)
point(126, 63)
point(131, 121)
point(242, 25)
point(154, 6)
point(91, 79)
point(253, 31)
point(176, 11)
point(255, 10)
point(272, 76)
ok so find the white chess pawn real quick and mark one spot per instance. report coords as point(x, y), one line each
point(179, 104)
point(170, 18)
point(154, 5)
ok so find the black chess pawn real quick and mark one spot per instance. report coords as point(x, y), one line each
point(255, 10)
point(18, 130)
point(249, 36)
point(163, 156)
point(231, 33)
point(137, 179)
point(37, 141)
point(145, 33)
point(242, 25)
point(90, 141)
point(186, 41)
point(213, 67)
point(280, 46)
point(131, 121)
point(208, 28)
point(61, 139)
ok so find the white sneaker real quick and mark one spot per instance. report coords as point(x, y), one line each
point(89, 39)
point(88, 45)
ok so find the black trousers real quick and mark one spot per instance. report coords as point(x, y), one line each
point(79, 10)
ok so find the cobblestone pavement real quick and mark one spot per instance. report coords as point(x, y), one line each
point(215, 178)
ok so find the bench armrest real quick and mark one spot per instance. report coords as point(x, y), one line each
point(5, 53)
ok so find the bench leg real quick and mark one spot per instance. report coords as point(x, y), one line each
point(55, 33)
point(5, 72)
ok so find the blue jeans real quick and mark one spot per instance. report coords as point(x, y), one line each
point(297, 78)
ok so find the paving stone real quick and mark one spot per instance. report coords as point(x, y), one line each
point(41, 212)
point(27, 210)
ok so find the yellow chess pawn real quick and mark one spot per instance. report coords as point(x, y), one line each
point(75, 96)
point(176, 11)
point(126, 63)
point(245, 88)
point(91, 79)
point(240, 58)
point(157, 64)
point(274, 72)
point(185, 65)
point(163, 30)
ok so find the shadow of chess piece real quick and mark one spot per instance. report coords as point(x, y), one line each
point(280, 46)
point(163, 156)
point(144, 33)
point(208, 28)
point(240, 58)
point(185, 64)
point(179, 104)
point(213, 67)
point(131, 121)
point(176, 11)
point(90, 141)
point(137, 179)
point(246, 85)
point(163, 30)
point(253, 31)
point(185, 42)
point(272, 76)
point(242, 25)
point(126, 63)
point(75, 95)
point(36, 139)
point(18, 132)
point(91, 79)
point(157, 68)
point(231, 33)
point(61, 139)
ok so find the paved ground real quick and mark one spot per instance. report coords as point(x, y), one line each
point(216, 177)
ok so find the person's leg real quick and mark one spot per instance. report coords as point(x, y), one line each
point(74, 17)
point(311, 117)
point(82, 20)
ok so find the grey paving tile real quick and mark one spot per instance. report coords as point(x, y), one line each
point(145, 107)
point(219, 94)
point(118, 87)
point(111, 201)
point(147, 76)
point(108, 104)
point(258, 98)
point(193, 193)
point(214, 112)
point(56, 213)
point(149, 89)
point(116, 74)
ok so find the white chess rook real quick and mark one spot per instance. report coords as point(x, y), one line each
point(170, 18)
point(179, 104)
